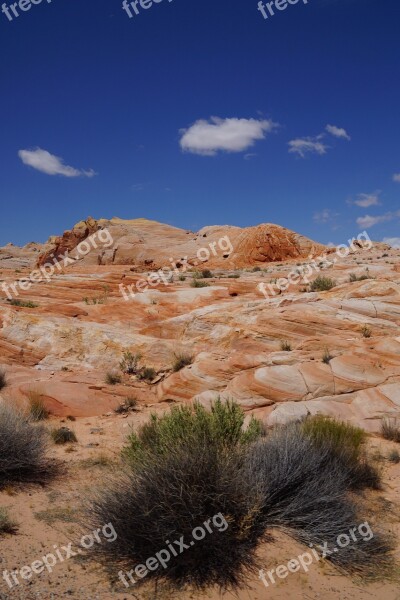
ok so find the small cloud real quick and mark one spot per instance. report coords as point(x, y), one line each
point(224, 135)
point(338, 132)
point(367, 200)
point(325, 216)
point(137, 187)
point(249, 155)
point(369, 221)
point(43, 161)
point(307, 145)
point(394, 242)
point(396, 177)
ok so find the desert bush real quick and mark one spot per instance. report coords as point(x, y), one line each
point(23, 448)
point(3, 379)
point(7, 525)
point(256, 269)
point(182, 360)
point(198, 283)
point(322, 284)
point(23, 304)
point(286, 346)
point(37, 407)
point(167, 498)
point(182, 278)
point(346, 445)
point(147, 374)
point(112, 378)
point(127, 405)
point(187, 425)
point(206, 274)
point(305, 493)
point(63, 435)
point(366, 331)
point(390, 429)
point(129, 363)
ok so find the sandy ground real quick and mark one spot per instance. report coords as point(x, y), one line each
point(49, 517)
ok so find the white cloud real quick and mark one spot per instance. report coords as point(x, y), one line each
point(338, 132)
point(366, 200)
point(369, 221)
point(307, 145)
point(43, 161)
point(396, 177)
point(394, 242)
point(325, 216)
point(226, 135)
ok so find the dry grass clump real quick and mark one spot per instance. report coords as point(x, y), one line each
point(36, 406)
point(63, 435)
point(23, 449)
point(7, 525)
point(322, 284)
point(3, 379)
point(112, 378)
point(182, 359)
point(390, 429)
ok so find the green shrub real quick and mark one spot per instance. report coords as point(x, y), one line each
point(390, 429)
point(37, 407)
point(128, 404)
point(206, 274)
point(197, 283)
point(182, 360)
point(7, 525)
point(347, 444)
point(184, 425)
point(182, 278)
point(322, 284)
point(23, 304)
point(112, 378)
point(63, 435)
point(3, 379)
point(394, 456)
point(256, 269)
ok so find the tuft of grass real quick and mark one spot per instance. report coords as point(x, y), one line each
point(3, 379)
point(256, 269)
point(327, 356)
point(147, 374)
point(101, 460)
point(366, 331)
point(23, 449)
point(127, 405)
point(286, 346)
point(37, 407)
point(112, 378)
point(7, 525)
point(54, 515)
point(182, 360)
point(182, 278)
point(322, 284)
point(198, 283)
point(207, 274)
point(23, 304)
point(394, 456)
point(63, 435)
point(234, 276)
point(130, 362)
point(390, 429)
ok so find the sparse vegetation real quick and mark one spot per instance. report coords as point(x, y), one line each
point(63, 435)
point(112, 378)
point(23, 449)
point(147, 374)
point(286, 346)
point(322, 284)
point(198, 283)
point(353, 277)
point(3, 379)
point(390, 429)
point(23, 303)
point(182, 278)
point(327, 356)
point(366, 331)
point(36, 406)
point(130, 362)
point(394, 456)
point(206, 274)
point(7, 525)
point(234, 276)
point(127, 405)
point(182, 359)
point(256, 269)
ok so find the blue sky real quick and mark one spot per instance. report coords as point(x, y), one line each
point(187, 112)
